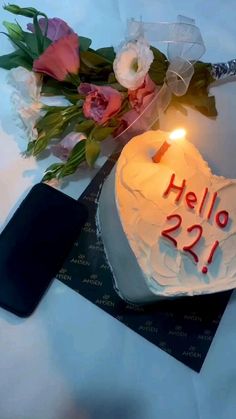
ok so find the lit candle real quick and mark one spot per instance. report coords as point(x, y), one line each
point(178, 134)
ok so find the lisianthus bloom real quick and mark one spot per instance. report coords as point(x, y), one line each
point(142, 96)
point(26, 98)
point(57, 28)
point(60, 59)
point(101, 102)
point(63, 149)
point(132, 63)
point(132, 124)
point(139, 117)
point(125, 121)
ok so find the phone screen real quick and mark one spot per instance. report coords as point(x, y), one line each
point(34, 245)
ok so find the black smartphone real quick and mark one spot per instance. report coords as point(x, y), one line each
point(34, 245)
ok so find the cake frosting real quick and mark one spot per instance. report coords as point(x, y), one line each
point(172, 230)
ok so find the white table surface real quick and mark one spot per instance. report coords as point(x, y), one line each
point(70, 359)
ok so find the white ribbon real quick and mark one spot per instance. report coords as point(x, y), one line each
point(184, 47)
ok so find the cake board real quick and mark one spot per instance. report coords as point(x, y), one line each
point(183, 327)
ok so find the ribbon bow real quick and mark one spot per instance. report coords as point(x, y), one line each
point(184, 47)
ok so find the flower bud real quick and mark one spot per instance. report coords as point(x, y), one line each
point(22, 11)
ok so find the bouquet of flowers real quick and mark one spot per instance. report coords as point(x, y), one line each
point(105, 90)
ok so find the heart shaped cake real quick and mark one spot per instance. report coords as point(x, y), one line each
point(168, 228)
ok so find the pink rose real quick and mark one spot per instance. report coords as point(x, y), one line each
point(125, 121)
point(142, 96)
point(57, 28)
point(142, 115)
point(132, 122)
point(101, 102)
point(130, 126)
point(60, 59)
point(63, 149)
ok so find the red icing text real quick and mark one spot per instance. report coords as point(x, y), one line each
point(205, 206)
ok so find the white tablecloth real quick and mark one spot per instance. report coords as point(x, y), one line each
point(70, 359)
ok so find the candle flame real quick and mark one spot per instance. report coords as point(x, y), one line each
point(177, 134)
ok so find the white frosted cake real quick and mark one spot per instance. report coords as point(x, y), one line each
point(168, 228)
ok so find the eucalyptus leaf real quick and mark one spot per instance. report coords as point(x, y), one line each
point(92, 151)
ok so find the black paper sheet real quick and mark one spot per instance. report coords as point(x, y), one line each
point(184, 328)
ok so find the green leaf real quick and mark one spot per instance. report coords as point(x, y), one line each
point(206, 105)
point(55, 88)
point(114, 122)
point(16, 59)
point(40, 145)
point(39, 36)
point(91, 59)
point(31, 42)
point(158, 67)
point(84, 126)
point(84, 43)
point(107, 52)
point(202, 103)
point(30, 147)
point(53, 124)
point(21, 46)
point(91, 62)
point(22, 11)
point(76, 157)
point(201, 79)
point(158, 55)
point(112, 79)
point(101, 133)
point(197, 95)
point(72, 97)
point(53, 109)
point(92, 151)
point(48, 90)
point(14, 30)
point(51, 119)
point(52, 171)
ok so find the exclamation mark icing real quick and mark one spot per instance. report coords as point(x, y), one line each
point(211, 256)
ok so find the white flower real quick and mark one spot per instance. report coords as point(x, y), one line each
point(26, 82)
point(132, 63)
point(26, 98)
point(29, 113)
